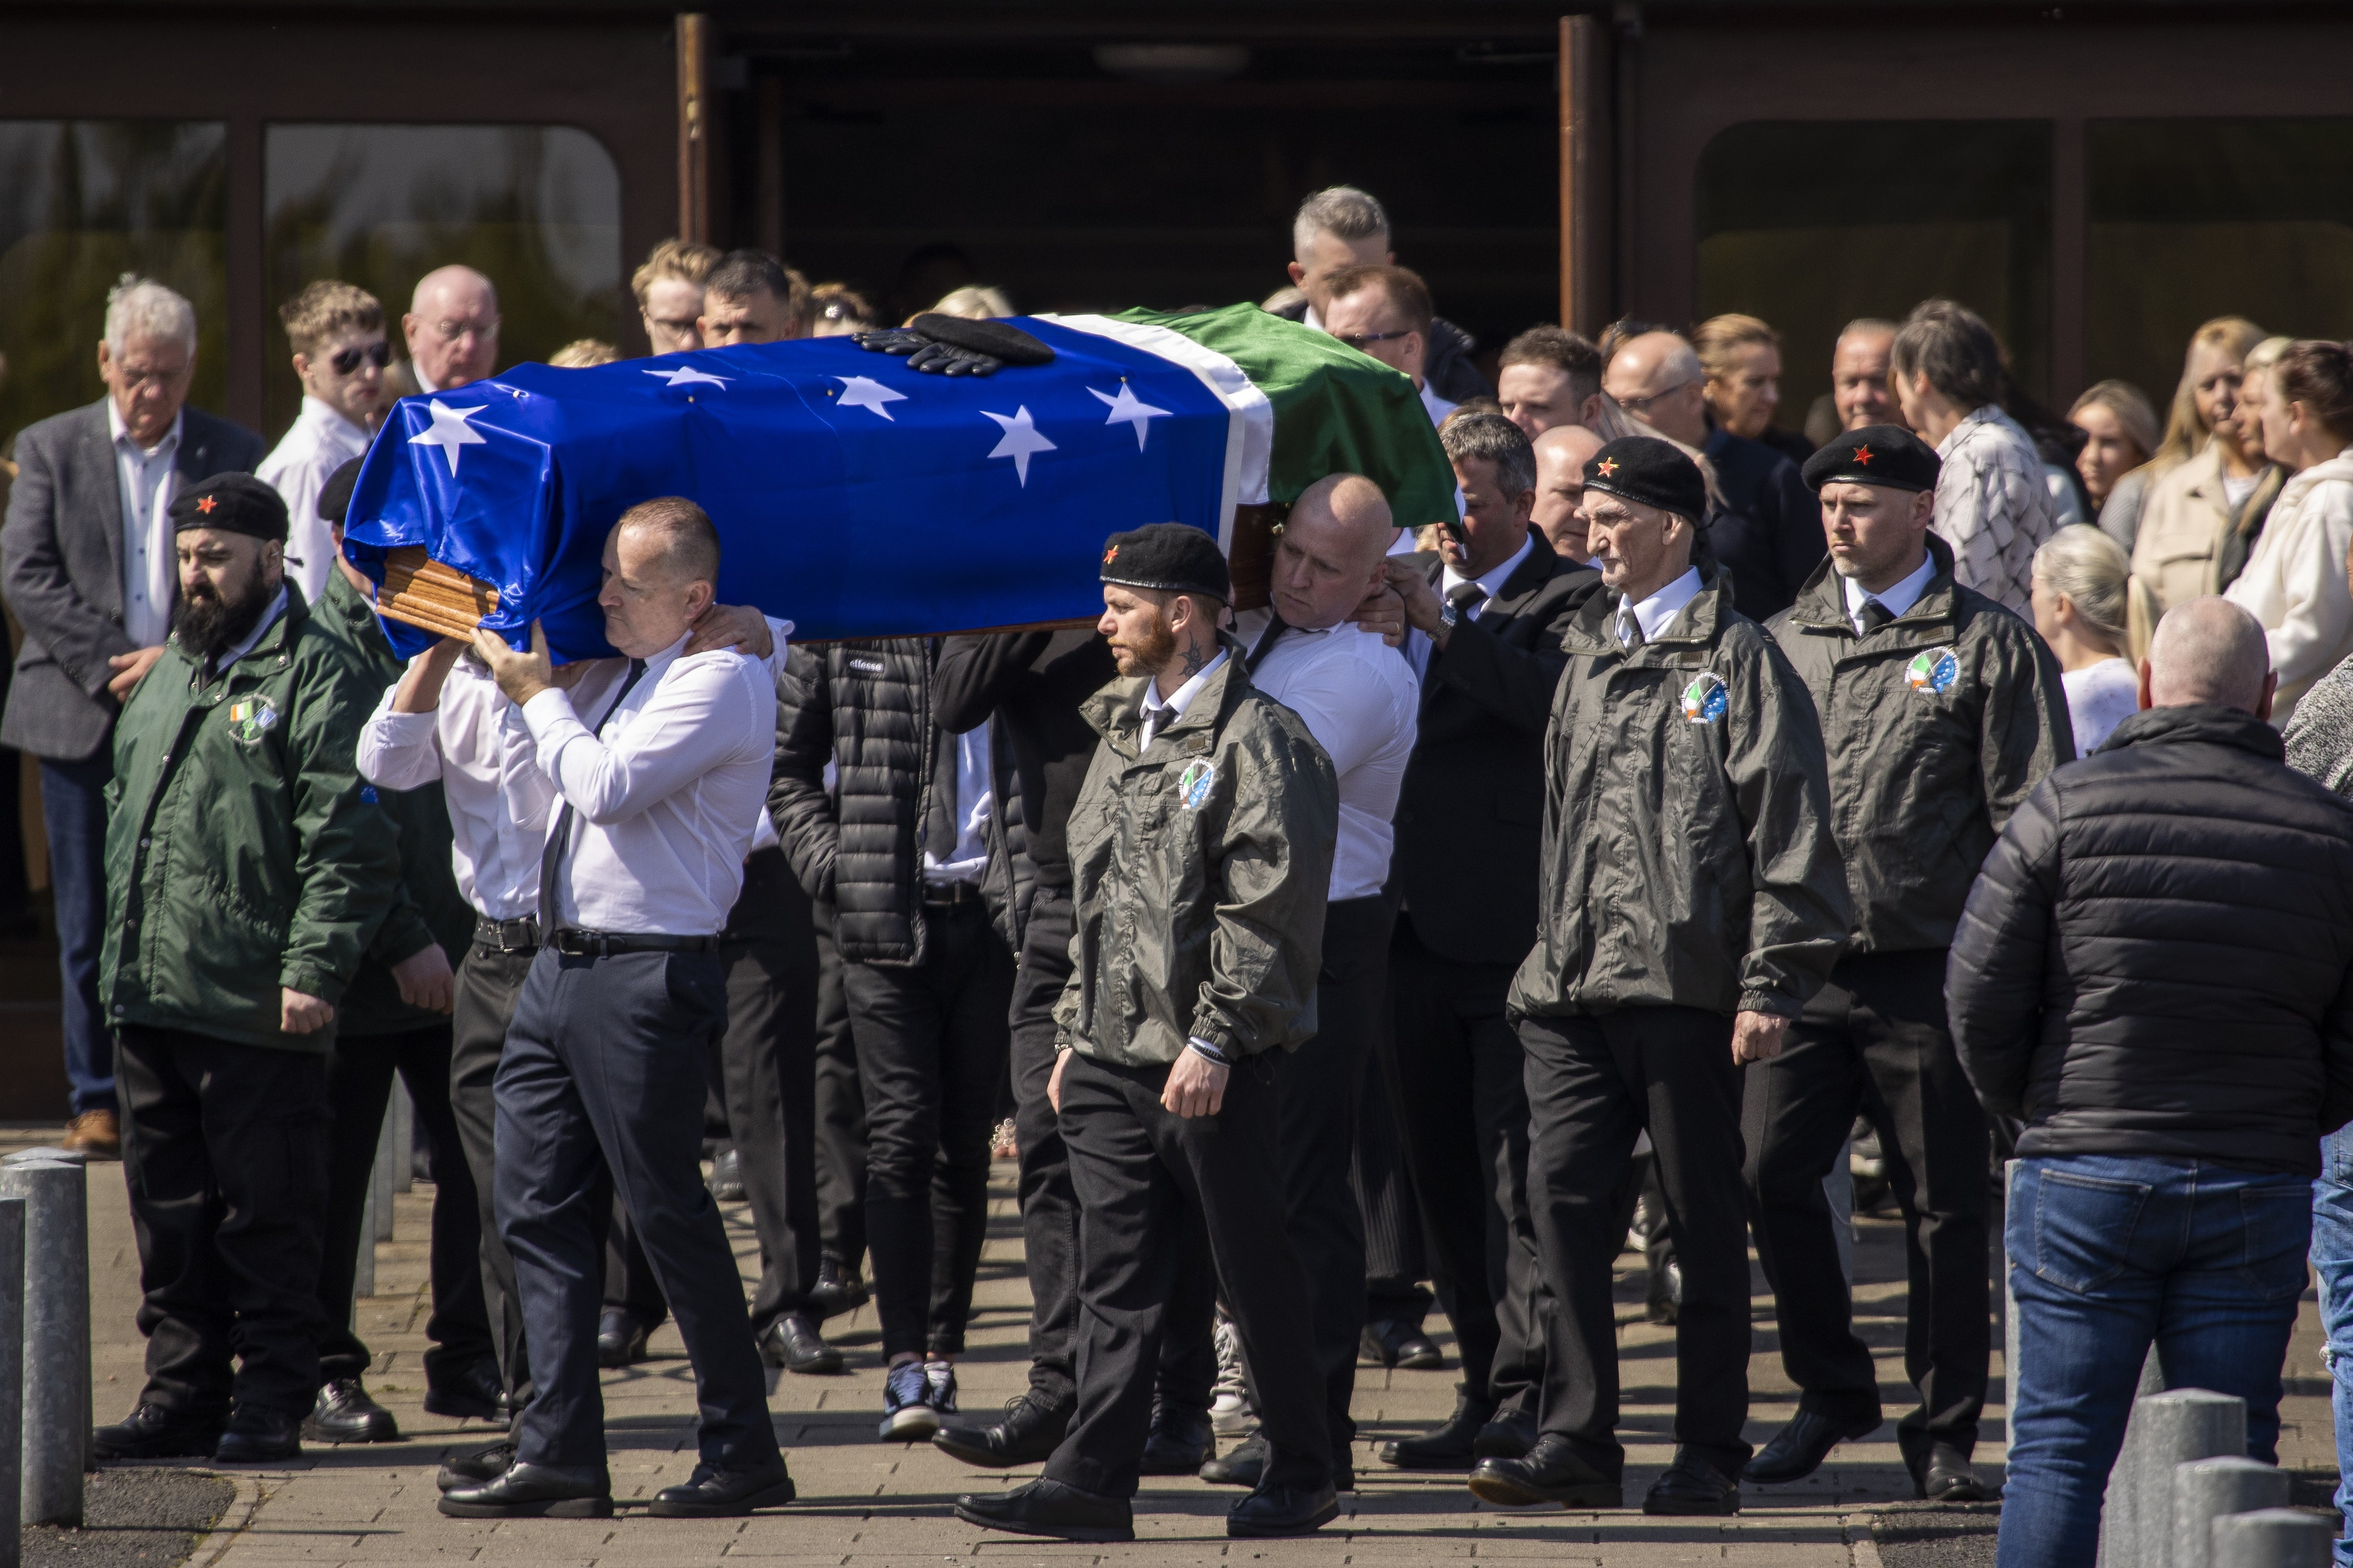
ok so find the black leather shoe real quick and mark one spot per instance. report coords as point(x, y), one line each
point(1049, 1507)
point(1281, 1510)
point(1179, 1443)
point(620, 1338)
point(1445, 1447)
point(712, 1493)
point(1949, 1479)
point(1243, 1465)
point(1693, 1487)
point(1394, 1343)
point(1031, 1430)
point(260, 1437)
point(535, 1491)
point(1509, 1436)
point(475, 1466)
point(344, 1413)
point(1799, 1450)
point(472, 1391)
point(839, 1291)
point(727, 1176)
point(1551, 1472)
point(795, 1344)
point(152, 1432)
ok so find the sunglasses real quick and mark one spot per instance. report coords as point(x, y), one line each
point(346, 361)
point(1359, 340)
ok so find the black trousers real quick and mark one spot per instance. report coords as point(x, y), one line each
point(932, 1043)
point(600, 1090)
point(1593, 1084)
point(1875, 1039)
point(1050, 1207)
point(769, 1067)
point(359, 1086)
point(1320, 1085)
point(1145, 1179)
point(488, 982)
point(1461, 1087)
point(224, 1152)
point(1396, 1261)
point(840, 1111)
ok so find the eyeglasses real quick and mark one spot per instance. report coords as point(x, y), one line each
point(1641, 407)
point(346, 361)
point(1359, 340)
point(452, 330)
point(679, 326)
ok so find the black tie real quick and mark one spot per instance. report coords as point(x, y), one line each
point(551, 857)
point(940, 828)
point(1275, 626)
point(1873, 616)
point(1630, 630)
point(1466, 597)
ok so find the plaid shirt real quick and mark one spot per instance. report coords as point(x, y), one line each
point(1993, 507)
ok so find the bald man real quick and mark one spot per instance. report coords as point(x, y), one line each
point(2154, 973)
point(1562, 453)
point(452, 332)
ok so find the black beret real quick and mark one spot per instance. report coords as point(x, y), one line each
point(1649, 472)
point(335, 495)
point(1884, 455)
point(1173, 557)
point(233, 503)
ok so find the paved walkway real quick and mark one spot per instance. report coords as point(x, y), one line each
point(869, 1504)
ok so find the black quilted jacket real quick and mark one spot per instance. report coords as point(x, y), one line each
point(2158, 959)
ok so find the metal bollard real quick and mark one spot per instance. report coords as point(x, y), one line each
point(364, 1258)
point(401, 1115)
point(12, 1381)
point(2165, 1429)
point(2206, 1489)
point(56, 1343)
point(380, 1187)
point(2274, 1538)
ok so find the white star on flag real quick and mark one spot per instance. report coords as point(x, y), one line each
point(450, 432)
point(1021, 438)
point(687, 376)
point(865, 392)
point(1129, 409)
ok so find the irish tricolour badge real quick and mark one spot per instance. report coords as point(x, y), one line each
point(1703, 698)
point(1933, 669)
point(1193, 783)
point(251, 719)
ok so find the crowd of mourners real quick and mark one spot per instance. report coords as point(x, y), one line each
point(1716, 831)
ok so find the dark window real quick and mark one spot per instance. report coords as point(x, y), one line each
point(1810, 226)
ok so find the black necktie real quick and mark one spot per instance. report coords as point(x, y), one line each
point(551, 857)
point(940, 830)
point(1629, 629)
point(1275, 626)
point(1466, 597)
point(1873, 616)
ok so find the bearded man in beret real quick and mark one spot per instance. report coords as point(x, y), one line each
point(247, 874)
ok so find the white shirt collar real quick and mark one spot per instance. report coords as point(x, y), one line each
point(121, 432)
point(1156, 713)
point(1654, 613)
point(1449, 579)
point(1436, 407)
point(1898, 599)
point(329, 420)
point(416, 372)
point(1311, 320)
point(268, 619)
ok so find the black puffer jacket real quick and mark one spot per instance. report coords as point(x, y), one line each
point(2158, 958)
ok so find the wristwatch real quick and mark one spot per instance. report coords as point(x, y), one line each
point(1446, 616)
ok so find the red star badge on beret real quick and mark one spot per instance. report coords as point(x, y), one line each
point(1109, 553)
point(1863, 454)
point(1607, 466)
point(204, 504)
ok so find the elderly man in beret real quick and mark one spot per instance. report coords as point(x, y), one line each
point(1692, 903)
point(247, 874)
point(1201, 849)
point(1940, 711)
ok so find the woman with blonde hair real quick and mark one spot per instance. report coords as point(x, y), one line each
point(2207, 487)
point(2079, 608)
point(2119, 434)
point(2295, 579)
point(1742, 358)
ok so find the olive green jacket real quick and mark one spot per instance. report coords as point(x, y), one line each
point(1687, 850)
point(1937, 725)
point(241, 853)
point(1200, 868)
point(430, 908)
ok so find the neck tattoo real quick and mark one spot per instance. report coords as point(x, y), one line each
point(1193, 660)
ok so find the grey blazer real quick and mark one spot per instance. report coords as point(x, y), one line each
point(61, 569)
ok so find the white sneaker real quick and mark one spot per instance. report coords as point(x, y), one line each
point(1230, 1415)
point(939, 1377)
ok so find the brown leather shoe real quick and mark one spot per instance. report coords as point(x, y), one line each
point(95, 1135)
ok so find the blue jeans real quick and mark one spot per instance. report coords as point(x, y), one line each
point(2332, 1261)
point(2107, 1255)
point(73, 814)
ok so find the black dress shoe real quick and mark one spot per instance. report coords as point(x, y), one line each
point(1509, 1436)
point(1949, 1479)
point(1281, 1510)
point(1445, 1447)
point(1552, 1472)
point(712, 1493)
point(152, 1432)
point(620, 1338)
point(1031, 1430)
point(1693, 1486)
point(475, 1466)
point(535, 1491)
point(1049, 1507)
point(468, 1392)
point(838, 1292)
point(344, 1413)
point(260, 1437)
point(1179, 1442)
point(795, 1344)
point(1799, 1450)
point(1243, 1465)
point(1394, 1343)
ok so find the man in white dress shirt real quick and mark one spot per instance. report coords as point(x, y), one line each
point(452, 332)
point(340, 353)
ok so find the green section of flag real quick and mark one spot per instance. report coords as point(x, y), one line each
point(1336, 410)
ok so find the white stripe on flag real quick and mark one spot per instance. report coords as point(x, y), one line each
point(1249, 434)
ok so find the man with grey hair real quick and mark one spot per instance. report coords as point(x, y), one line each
point(86, 563)
point(1340, 228)
point(1860, 388)
point(452, 332)
point(2154, 973)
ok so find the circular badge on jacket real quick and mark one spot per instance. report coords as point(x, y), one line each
point(1933, 669)
point(251, 719)
point(1705, 698)
point(1193, 783)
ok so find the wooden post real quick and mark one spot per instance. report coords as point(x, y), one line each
point(768, 164)
point(1585, 197)
point(248, 338)
point(695, 105)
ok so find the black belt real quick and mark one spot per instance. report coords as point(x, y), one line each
point(573, 942)
point(948, 895)
point(520, 934)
